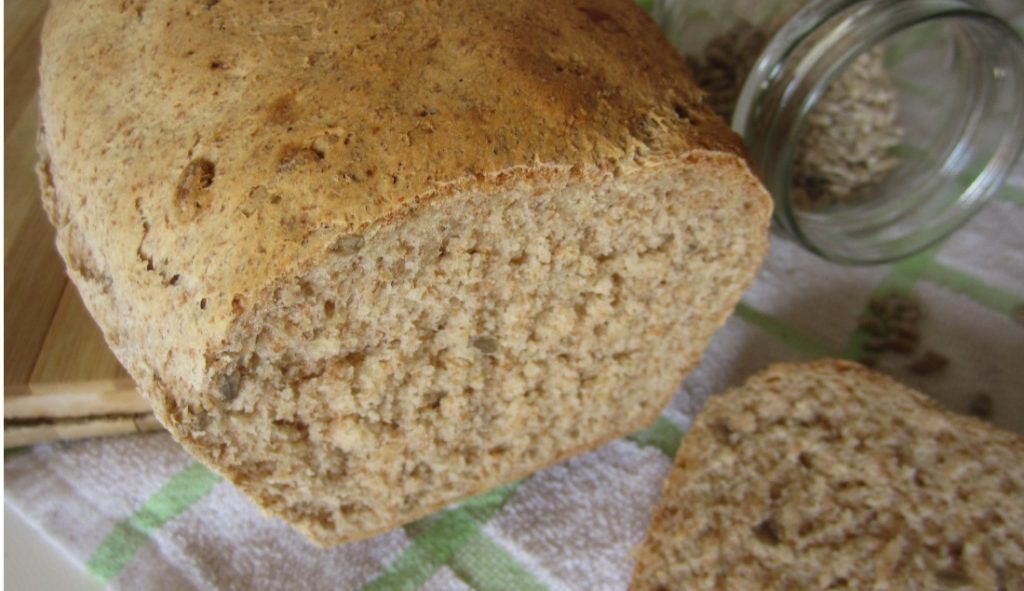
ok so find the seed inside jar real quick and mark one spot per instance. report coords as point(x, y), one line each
point(852, 133)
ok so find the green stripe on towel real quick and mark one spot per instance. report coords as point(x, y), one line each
point(1012, 194)
point(454, 537)
point(663, 435)
point(438, 543)
point(485, 566)
point(437, 539)
point(182, 491)
point(792, 337)
point(991, 297)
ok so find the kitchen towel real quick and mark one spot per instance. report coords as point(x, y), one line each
point(139, 513)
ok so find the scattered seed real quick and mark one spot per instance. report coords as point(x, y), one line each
point(485, 344)
point(928, 363)
point(876, 345)
point(229, 384)
point(295, 158)
point(192, 195)
point(981, 406)
point(767, 532)
point(906, 330)
point(902, 345)
point(348, 245)
point(875, 327)
point(903, 306)
point(892, 323)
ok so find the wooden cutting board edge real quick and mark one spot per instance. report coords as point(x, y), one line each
point(60, 379)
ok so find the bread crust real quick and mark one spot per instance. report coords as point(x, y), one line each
point(196, 157)
point(285, 106)
point(686, 513)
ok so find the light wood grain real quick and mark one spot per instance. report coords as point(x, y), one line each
point(64, 401)
point(33, 271)
point(23, 22)
point(21, 188)
point(60, 379)
point(74, 347)
point(18, 18)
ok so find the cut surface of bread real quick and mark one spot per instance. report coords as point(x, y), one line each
point(366, 259)
point(827, 475)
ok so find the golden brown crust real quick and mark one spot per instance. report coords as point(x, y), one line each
point(340, 116)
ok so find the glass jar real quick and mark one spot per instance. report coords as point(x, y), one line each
point(879, 126)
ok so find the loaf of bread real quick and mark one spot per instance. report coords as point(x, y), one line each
point(369, 258)
point(829, 476)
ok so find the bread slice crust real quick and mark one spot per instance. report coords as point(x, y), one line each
point(827, 475)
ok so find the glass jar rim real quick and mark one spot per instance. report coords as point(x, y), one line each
point(802, 59)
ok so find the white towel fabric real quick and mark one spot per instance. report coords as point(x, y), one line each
point(138, 512)
point(572, 526)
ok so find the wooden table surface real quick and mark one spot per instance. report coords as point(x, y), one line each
point(60, 378)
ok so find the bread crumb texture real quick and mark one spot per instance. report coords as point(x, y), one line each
point(366, 259)
point(829, 476)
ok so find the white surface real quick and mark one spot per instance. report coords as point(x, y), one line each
point(33, 562)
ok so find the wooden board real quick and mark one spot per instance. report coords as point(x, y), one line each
point(60, 378)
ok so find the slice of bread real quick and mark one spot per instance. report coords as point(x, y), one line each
point(829, 476)
point(368, 258)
